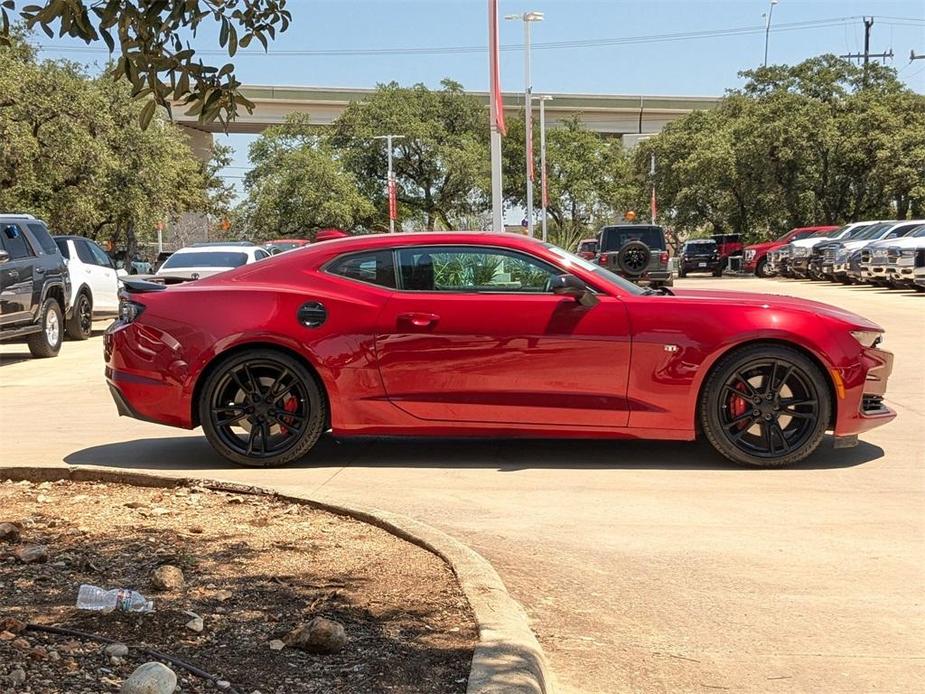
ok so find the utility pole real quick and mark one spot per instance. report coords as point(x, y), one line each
point(528, 18)
point(544, 192)
point(913, 56)
point(867, 55)
point(767, 28)
point(391, 186)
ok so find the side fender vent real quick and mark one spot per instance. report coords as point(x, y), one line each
point(312, 314)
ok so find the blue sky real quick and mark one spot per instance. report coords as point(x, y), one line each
point(705, 66)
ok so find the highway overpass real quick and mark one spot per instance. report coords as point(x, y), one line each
point(630, 116)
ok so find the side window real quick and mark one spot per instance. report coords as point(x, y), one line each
point(40, 233)
point(801, 235)
point(470, 269)
point(84, 252)
point(260, 255)
point(62, 246)
point(14, 242)
point(375, 267)
point(99, 255)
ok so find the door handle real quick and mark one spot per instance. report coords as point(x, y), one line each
point(419, 320)
point(39, 271)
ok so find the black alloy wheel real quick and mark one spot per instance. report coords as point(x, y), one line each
point(80, 325)
point(765, 405)
point(262, 408)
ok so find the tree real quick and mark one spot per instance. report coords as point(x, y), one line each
point(820, 142)
point(148, 37)
point(298, 185)
point(441, 164)
point(72, 151)
point(589, 180)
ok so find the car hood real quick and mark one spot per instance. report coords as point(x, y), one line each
point(777, 302)
point(810, 242)
point(764, 246)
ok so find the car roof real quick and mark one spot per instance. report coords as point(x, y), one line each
point(423, 238)
point(217, 247)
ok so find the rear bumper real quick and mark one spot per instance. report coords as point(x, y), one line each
point(147, 377)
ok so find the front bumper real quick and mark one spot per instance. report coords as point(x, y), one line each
point(861, 408)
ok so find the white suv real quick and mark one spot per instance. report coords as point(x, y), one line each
point(94, 284)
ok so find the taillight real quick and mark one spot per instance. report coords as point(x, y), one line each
point(663, 258)
point(602, 259)
point(129, 310)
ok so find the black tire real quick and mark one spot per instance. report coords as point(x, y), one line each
point(270, 397)
point(751, 380)
point(718, 272)
point(761, 270)
point(682, 272)
point(80, 324)
point(47, 342)
point(633, 258)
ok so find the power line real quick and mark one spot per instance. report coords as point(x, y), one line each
point(553, 45)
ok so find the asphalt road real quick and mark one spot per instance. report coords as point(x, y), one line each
point(646, 567)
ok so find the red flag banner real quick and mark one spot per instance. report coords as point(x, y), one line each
point(653, 204)
point(497, 105)
point(393, 201)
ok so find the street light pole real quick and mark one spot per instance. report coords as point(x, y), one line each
point(544, 197)
point(767, 29)
point(390, 184)
point(527, 18)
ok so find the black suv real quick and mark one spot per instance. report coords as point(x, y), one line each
point(700, 255)
point(35, 290)
point(636, 252)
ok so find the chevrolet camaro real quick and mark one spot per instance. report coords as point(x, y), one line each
point(486, 335)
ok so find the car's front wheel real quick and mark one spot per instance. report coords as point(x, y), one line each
point(761, 270)
point(262, 408)
point(765, 405)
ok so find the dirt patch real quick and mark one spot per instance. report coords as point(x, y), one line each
point(254, 568)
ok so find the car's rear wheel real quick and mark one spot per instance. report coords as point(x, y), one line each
point(80, 324)
point(262, 408)
point(47, 342)
point(765, 405)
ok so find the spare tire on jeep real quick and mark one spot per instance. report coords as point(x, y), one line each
point(633, 258)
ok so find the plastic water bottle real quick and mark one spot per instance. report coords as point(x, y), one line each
point(97, 599)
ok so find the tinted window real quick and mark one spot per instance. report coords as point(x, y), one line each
point(14, 241)
point(802, 235)
point(700, 247)
point(62, 247)
point(43, 237)
point(99, 255)
point(376, 268)
point(588, 247)
point(205, 259)
point(84, 252)
point(614, 238)
point(464, 269)
point(260, 255)
point(901, 231)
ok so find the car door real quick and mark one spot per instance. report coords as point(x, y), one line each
point(105, 282)
point(473, 334)
point(17, 303)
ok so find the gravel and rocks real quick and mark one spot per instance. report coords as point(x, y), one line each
point(264, 595)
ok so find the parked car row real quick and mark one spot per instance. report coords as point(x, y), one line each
point(880, 252)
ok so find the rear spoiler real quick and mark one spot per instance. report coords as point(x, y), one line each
point(136, 286)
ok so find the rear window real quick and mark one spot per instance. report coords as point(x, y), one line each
point(614, 238)
point(62, 246)
point(587, 247)
point(43, 237)
point(205, 259)
point(700, 246)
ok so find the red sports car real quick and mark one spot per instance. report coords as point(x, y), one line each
point(486, 334)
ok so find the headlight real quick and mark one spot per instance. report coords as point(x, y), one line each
point(908, 253)
point(880, 253)
point(129, 310)
point(801, 252)
point(867, 338)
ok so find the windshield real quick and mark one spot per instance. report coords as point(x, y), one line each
point(871, 232)
point(918, 232)
point(570, 260)
point(614, 238)
point(204, 259)
point(284, 245)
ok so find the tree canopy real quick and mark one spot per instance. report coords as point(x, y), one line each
point(72, 151)
point(149, 39)
point(821, 142)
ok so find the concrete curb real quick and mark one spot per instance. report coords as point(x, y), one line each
point(507, 657)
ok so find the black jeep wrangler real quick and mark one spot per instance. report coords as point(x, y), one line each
point(35, 290)
point(636, 252)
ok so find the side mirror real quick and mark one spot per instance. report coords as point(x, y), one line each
point(4, 256)
point(569, 285)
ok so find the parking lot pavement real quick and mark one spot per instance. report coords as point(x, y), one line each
point(645, 567)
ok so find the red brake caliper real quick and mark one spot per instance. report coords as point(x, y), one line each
point(291, 405)
point(738, 406)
